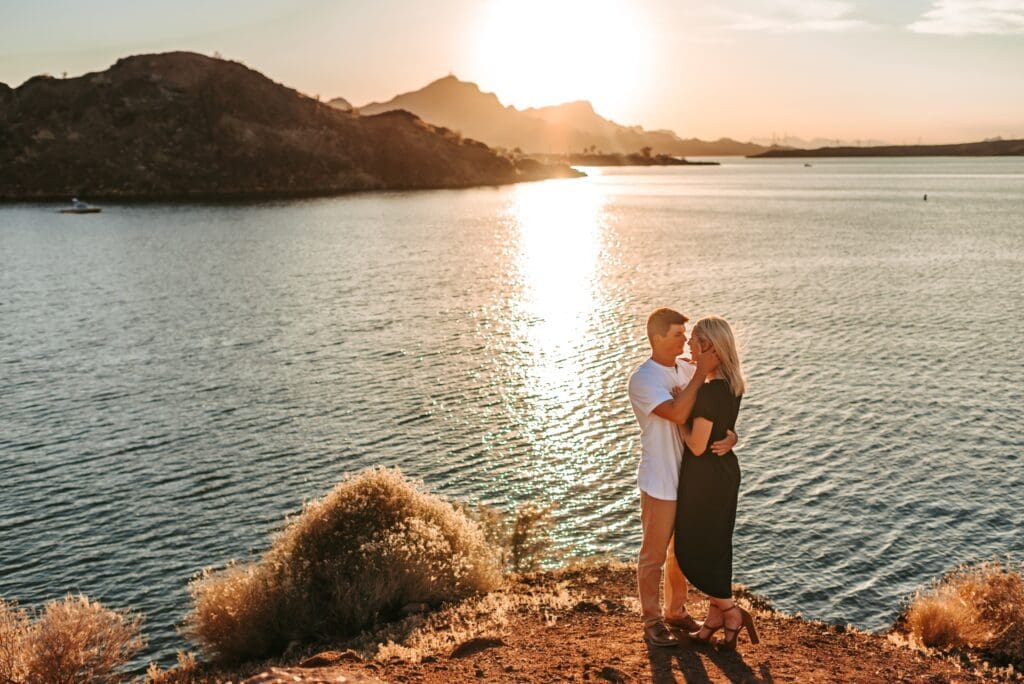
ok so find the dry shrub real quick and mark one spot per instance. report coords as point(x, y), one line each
point(374, 544)
point(14, 623)
point(72, 640)
point(530, 541)
point(980, 606)
point(184, 673)
point(525, 541)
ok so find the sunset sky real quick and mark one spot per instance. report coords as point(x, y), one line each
point(928, 70)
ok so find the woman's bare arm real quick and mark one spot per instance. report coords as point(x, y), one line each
point(697, 437)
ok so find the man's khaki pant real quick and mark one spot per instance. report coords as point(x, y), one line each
point(658, 519)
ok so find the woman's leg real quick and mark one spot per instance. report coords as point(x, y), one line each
point(712, 623)
point(733, 618)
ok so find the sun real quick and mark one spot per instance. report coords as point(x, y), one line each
point(535, 53)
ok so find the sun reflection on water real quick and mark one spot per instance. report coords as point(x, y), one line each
point(561, 229)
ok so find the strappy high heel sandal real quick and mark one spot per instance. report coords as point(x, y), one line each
point(732, 634)
point(695, 636)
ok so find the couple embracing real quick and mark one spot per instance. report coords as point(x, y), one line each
point(688, 476)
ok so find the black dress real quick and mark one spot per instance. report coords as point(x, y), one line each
point(706, 505)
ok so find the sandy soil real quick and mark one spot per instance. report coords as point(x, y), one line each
point(592, 634)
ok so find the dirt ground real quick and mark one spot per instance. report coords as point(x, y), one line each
point(592, 634)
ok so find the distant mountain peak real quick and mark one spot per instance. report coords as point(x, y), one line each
point(452, 82)
point(555, 129)
point(578, 106)
point(340, 103)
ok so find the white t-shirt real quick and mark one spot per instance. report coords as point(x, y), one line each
point(650, 384)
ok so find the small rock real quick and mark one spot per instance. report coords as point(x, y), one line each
point(614, 675)
point(279, 675)
point(331, 658)
point(428, 659)
point(475, 645)
point(613, 606)
point(589, 607)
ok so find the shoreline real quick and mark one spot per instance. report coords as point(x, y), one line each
point(248, 197)
point(988, 148)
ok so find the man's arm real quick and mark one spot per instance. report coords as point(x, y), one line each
point(724, 445)
point(678, 410)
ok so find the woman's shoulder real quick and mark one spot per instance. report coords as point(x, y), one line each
point(716, 385)
point(718, 389)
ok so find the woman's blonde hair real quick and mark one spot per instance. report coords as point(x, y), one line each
point(716, 332)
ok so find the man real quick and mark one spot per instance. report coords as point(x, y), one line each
point(660, 407)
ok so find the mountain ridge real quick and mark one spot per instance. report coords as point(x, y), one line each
point(566, 128)
point(181, 124)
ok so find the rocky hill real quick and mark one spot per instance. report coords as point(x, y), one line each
point(184, 125)
point(560, 129)
point(341, 103)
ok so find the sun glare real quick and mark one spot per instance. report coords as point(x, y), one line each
point(561, 229)
point(535, 53)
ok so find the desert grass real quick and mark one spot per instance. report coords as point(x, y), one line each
point(186, 671)
point(375, 544)
point(523, 538)
point(66, 642)
point(979, 606)
point(437, 633)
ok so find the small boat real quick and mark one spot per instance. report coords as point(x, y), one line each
point(808, 165)
point(80, 207)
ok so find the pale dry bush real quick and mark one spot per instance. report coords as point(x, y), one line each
point(14, 624)
point(980, 606)
point(374, 544)
point(69, 641)
point(530, 542)
point(524, 541)
point(184, 673)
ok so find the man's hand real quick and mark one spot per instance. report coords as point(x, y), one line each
point(724, 445)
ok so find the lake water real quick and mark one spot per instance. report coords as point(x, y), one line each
point(175, 379)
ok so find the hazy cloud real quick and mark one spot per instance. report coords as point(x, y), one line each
point(796, 15)
point(965, 17)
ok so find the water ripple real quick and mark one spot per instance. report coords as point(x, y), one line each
point(177, 379)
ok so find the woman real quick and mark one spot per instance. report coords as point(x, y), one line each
point(709, 486)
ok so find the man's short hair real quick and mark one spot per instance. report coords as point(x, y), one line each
point(661, 320)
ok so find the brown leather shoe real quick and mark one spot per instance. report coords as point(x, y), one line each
point(658, 635)
point(686, 623)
